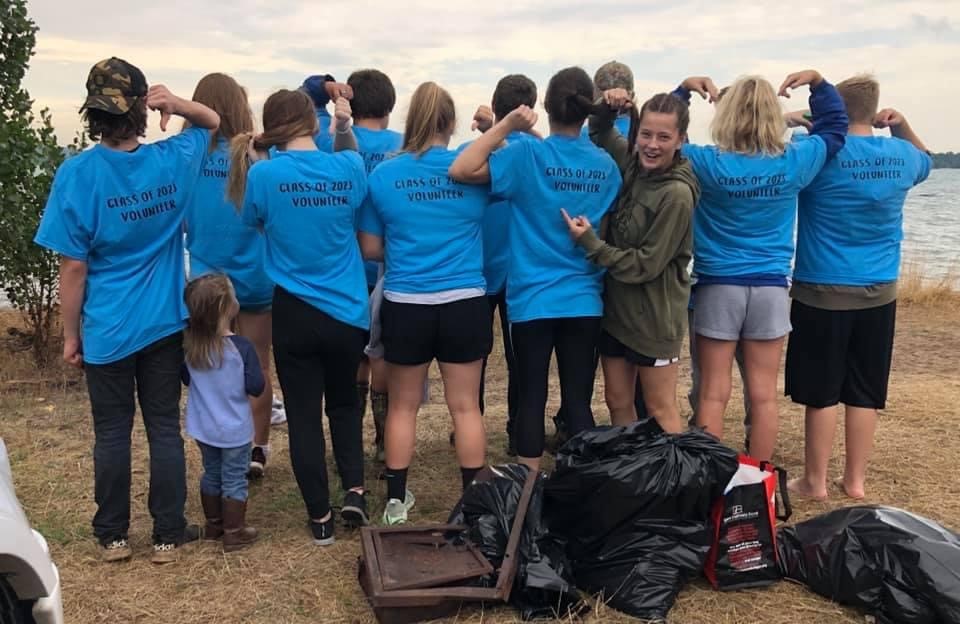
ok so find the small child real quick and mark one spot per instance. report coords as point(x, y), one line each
point(221, 370)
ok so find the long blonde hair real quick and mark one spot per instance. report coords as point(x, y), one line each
point(749, 119)
point(209, 298)
point(287, 115)
point(431, 113)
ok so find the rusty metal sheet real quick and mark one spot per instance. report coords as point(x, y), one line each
point(409, 573)
point(416, 558)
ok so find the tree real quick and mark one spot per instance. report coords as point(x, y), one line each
point(31, 155)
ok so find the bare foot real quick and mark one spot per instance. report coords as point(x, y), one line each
point(856, 493)
point(802, 488)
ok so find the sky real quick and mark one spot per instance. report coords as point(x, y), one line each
point(913, 48)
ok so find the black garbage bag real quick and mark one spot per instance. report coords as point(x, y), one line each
point(544, 585)
point(634, 508)
point(900, 567)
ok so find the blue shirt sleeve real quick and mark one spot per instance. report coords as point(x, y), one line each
point(830, 121)
point(252, 372)
point(508, 169)
point(807, 157)
point(922, 163)
point(66, 227)
point(682, 93)
point(190, 148)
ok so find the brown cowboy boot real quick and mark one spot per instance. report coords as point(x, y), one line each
point(236, 533)
point(213, 511)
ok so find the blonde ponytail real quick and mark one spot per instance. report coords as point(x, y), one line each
point(431, 113)
point(239, 167)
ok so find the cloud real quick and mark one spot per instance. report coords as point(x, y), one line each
point(466, 47)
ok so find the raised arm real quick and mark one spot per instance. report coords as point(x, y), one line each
point(602, 131)
point(899, 128)
point(471, 166)
point(697, 84)
point(830, 121)
point(159, 98)
point(345, 139)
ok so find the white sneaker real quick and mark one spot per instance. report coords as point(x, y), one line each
point(278, 415)
point(396, 510)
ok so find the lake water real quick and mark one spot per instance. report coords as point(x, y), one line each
point(931, 224)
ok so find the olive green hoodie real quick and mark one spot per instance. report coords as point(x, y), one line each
point(647, 250)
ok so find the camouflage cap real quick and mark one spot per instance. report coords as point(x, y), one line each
point(114, 86)
point(613, 75)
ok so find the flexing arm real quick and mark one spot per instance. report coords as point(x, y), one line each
point(602, 131)
point(471, 166)
point(159, 98)
point(899, 128)
point(830, 121)
point(73, 284)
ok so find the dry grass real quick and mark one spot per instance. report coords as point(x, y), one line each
point(914, 288)
point(46, 424)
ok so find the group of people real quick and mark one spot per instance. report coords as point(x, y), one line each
point(360, 255)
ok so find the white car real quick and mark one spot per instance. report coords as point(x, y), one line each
point(29, 582)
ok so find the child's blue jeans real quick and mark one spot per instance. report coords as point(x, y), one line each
point(225, 471)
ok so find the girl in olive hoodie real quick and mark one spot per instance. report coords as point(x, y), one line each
point(646, 253)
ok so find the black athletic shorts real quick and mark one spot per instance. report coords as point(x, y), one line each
point(456, 333)
point(840, 356)
point(611, 347)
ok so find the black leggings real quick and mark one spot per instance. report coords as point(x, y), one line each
point(575, 341)
point(499, 300)
point(317, 357)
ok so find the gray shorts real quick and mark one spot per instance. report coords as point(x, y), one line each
point(726, 312)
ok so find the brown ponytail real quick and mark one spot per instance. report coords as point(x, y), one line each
point(569, 98)
point(287, 115)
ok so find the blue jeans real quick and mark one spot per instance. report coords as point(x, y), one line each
point(225, 471)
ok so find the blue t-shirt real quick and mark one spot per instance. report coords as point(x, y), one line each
point(549, 275)
point(218, 240)
point(430, 224)
point(306, 203)
point(851, 215)
point(376, 146)
point(621, 124)
point(122, 214)
point(496, 235)
point(218, 411)
point(324, 138)
point(743, 224)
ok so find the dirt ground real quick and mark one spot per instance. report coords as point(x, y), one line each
point(45, 422)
